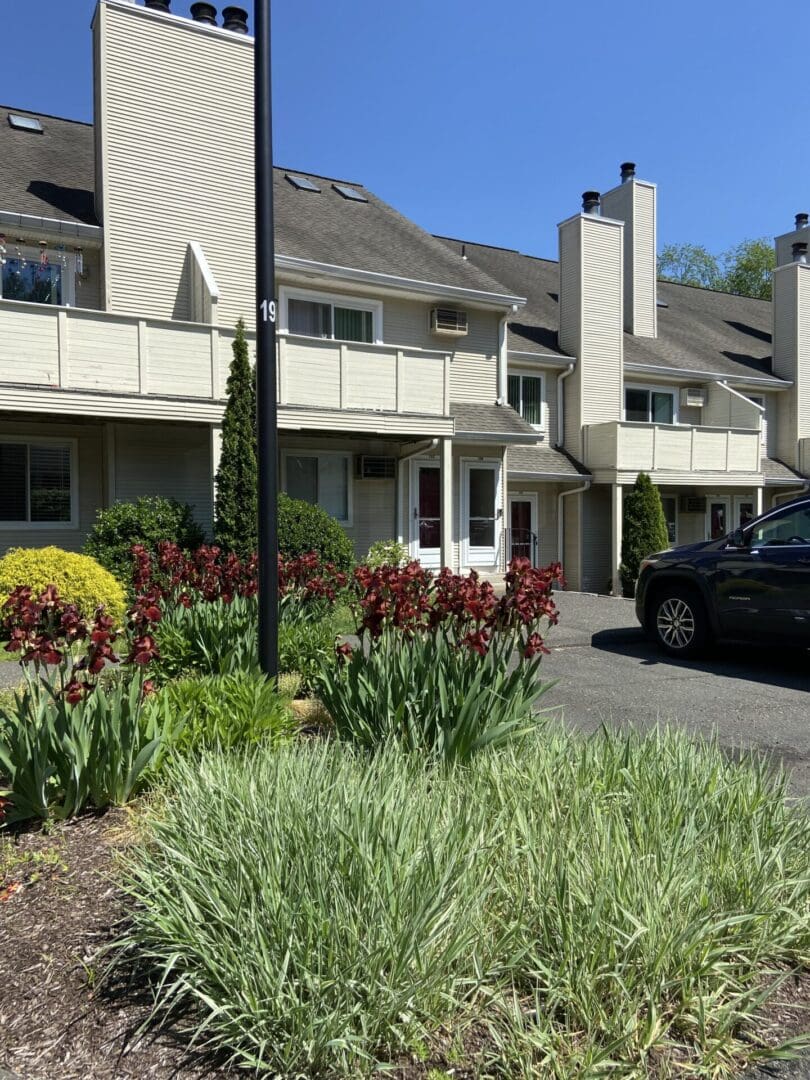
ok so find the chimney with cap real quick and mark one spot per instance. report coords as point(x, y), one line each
point(791, 343)
point(633, 201)
point(235, 19)
point(784, 243)
point(159, 5)
point(590, 246)
point(204, 13)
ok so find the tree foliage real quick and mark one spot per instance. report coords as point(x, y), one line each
point(146, 521)
point(303, 528)
point(644, 531)
point(237, 513)
point(745, 269)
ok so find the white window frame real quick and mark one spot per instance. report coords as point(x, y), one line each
point(517, 373)
point(292, 452)
point(353, 303)
point(667, 495)
point(652, 389)
point(32, 255)
point(46, 440)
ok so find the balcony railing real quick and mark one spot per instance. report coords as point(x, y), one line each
point(76, 349)
point(628, 446)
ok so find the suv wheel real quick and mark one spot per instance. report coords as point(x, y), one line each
point(679, 623)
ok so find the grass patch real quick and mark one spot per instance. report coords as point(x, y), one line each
point(611, 905)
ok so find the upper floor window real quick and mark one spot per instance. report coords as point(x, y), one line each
point(344, 319)
point(37, 277)
point(650, 404)
point(525, 395)
point(37, 483)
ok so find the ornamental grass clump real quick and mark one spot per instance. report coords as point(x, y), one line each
point(621, 904)
point(445, 666)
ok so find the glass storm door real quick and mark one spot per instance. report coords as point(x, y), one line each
point(522, 533)
point(427, 518)
point(745, 510)
point(719, 523)
point(481, 496)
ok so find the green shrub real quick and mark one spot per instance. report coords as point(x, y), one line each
point(387, 553)
point(224, 711)
point(146, 521)
point(644, 530)
point(237, 514)
point(303, 528)
point(431, 695)
point(610, 905)
point(215, 638)
point(78, 578)
point(60, 757)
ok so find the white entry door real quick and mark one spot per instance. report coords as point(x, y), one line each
point(426, 513)
point(718, 518)
point(481, 514)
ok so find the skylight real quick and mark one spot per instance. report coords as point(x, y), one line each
point(349, 192)
point(302, 183)
point(25, 123)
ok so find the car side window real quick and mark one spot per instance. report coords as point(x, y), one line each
point(791, 527)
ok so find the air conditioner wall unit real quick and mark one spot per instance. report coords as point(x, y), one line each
point(448, 322)
point(693, 504)
point(693, 397)
point(370, 467)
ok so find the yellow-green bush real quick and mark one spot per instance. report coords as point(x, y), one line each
point(79, 579)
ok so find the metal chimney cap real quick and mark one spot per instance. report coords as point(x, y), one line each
point(628, 170)
point(159, 5)
point(800, 251)
point(235, 19)
point(590, 202)
point(204, 13)
point(802, 221)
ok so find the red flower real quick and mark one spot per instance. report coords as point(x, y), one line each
point(149, 688)
point(75, 691)
point(534, 644)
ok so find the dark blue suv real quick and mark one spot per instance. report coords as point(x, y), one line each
point(753, 585)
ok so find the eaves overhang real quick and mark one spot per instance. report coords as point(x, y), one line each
point(92, 235)
point(292, 263)
point(685, 373)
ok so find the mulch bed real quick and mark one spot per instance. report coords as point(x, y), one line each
point(59, 905)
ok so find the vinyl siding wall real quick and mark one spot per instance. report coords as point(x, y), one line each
point(90, 453)
point(172, 460)
point(791, 353)
point(571, 327)
point(634, 204)
point(176, 129)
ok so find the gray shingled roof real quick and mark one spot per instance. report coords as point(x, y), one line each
point(326, 227)
point(490, 421)
point(543, 460)
point(699, 330)
point(776, 472)
point(50, 175)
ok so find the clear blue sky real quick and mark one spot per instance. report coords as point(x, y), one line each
point(487, 121)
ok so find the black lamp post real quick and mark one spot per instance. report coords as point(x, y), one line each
point(266, 418)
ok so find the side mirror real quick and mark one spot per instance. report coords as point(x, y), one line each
point(738, 539)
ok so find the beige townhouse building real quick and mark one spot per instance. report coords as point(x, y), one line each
point(474, 402)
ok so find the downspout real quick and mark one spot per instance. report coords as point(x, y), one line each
point(560, 517)
point(560, 404)
point(503, 361)
point(400, 483)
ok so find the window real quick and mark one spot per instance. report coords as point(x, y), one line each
point(36, 483)
point(649, 405)
point(790, 527)
point(29, 275)
point(322, 479)
point(525, 395)
point(332, 317)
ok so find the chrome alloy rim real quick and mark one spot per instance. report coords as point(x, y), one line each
point(676, 623)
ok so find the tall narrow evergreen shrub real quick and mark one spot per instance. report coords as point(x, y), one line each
point(237, 517)
point(644, 531)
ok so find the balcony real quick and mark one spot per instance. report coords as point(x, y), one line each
point(104, 364)
point(672, 450)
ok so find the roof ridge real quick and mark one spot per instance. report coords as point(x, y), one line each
point(319, 176)
point(495, 247)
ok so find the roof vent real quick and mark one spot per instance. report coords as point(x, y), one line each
point(235, 19)
point(628, 169)
point(590, 202)
point(800, 252)
point(801, 221)
point(204, 13)
point(159, 5)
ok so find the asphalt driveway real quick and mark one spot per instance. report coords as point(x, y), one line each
point(610, 673)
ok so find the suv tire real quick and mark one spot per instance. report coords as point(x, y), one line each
point(678, 621)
